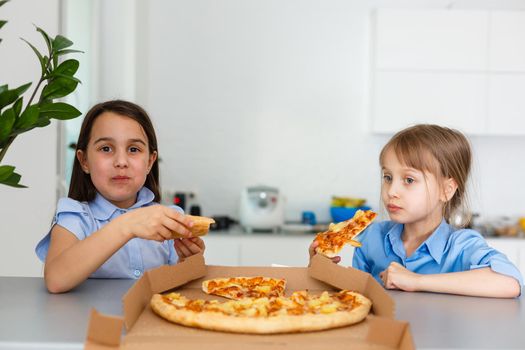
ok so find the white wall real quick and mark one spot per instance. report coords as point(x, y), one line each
point(242, 92)
point(25, 214)
point(275, 92)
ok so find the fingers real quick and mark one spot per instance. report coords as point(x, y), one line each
point(198, 241)
point(188, 247)
point(175, 226)
point(336, 259)
point(181, 218)
point(311, 249)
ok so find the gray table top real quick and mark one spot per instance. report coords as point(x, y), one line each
point(31, 318)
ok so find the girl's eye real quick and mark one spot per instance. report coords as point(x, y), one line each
point(409, 180)
point(134, 149)
point(105, 149)
point(387, 178)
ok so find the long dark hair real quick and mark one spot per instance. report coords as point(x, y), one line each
point(81, 187)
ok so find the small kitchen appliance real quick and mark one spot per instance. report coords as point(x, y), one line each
point(261, 209)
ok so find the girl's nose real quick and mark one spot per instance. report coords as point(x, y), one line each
point(121, 160)
point(392, 190)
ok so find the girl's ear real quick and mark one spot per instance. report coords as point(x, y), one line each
point(81, 156)
point(152, 159)
point(449, 188)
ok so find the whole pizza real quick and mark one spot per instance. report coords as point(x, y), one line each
point(266, 313)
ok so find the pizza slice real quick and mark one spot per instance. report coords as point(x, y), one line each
point(332, 241)
point(245, 287)
point(201, 226)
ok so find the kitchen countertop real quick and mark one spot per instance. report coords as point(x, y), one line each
point(31, 318)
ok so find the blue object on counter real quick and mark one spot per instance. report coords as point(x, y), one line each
point(344, 213)
point(309, 218)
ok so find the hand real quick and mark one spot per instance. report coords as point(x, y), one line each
point(186, 247)
point(312, 252)
point(396, 276)
point(156, 222)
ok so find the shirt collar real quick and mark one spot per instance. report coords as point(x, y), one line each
point(438, 240)
point(435, 243)
point(103, 209)
point(393, 242)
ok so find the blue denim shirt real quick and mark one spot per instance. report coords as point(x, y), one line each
point(446, 250)
point(84, 218)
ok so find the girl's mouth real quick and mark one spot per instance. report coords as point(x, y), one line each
point(392, 208)
point(120, 178)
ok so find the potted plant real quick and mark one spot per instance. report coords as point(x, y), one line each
point(56, 81)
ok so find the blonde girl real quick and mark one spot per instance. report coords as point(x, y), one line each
point(425, 169)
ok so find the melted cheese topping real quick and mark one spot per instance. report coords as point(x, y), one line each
point(245, 287)
point(344, 232)
point(299, 303)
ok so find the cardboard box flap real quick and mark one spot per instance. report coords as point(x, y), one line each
point(323, 269)
point(168, 277)
point(103, 331)
point(159, 280)
point(394, 334)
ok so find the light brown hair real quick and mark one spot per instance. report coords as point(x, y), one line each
point(81, 187)
point(441, 151)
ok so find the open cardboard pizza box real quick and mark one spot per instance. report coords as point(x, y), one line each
point(146, 330)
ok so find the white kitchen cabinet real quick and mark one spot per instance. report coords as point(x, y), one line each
point(431, 40)
point(222, 249)
point(238, 249)
point(513, 248)
point(460, 68)
point(506, 104)
point(406, 98)
point(507, 47)
point(262, 250)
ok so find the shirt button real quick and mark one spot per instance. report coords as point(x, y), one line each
point(137, 273)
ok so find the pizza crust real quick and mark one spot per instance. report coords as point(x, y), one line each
point(201, 226)
point(261, 325)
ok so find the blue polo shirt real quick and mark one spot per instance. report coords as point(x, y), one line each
point(446, 250)
point(84, 218)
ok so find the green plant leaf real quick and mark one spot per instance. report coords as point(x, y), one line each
point(6, 171)
point(60, 42)
point(28, 118)
point(7, 120)
point(58, 75)
point(42, 121)
point(3, 88)
point(2, 23)
point(13, 181)
point(22, 88)
point(9, 96)
point(68, 67)
point(2, 2)
point(58, 88)
point(38, 54)
point(65, 52)
point(59, 110)
point(17, 107)
point(46, 38)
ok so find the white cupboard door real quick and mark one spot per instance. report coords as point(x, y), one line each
point(509, 247)
point(507, 41)
point(506, 104)
point(265, 251)
point(431, 40)
point(222, 250)
point(455, 100)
